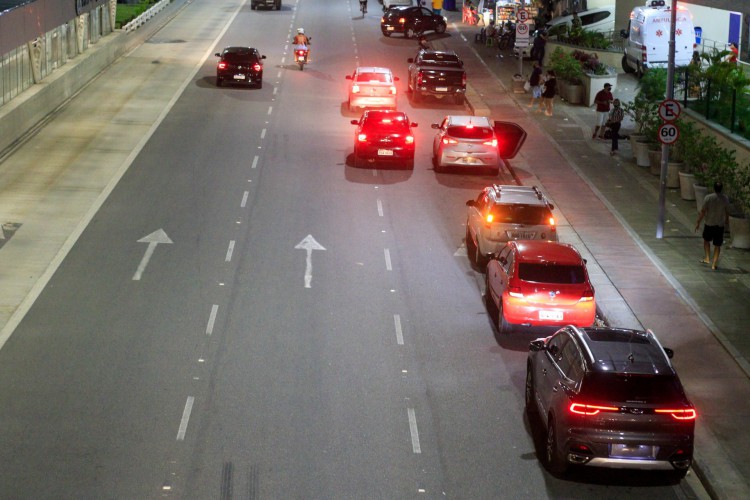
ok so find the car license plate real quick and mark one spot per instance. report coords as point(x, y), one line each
point(441, 89)
point(390, 28)
point(385, 152)
point(521, 235)
point(239, 77)
point(551, 315)
point(633, 451)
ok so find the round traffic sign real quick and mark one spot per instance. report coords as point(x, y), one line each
point(522, 29)
point(669, 110)
point(668, 133)
point(523, 15)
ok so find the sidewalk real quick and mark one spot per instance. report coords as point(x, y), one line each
point(611, 205)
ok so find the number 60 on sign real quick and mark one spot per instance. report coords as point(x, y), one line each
point(668, 133)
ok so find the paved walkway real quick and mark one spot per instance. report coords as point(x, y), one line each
point(611, 207)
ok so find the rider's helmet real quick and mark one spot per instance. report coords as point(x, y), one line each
point(300, 31)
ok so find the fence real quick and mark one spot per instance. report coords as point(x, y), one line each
point(141, 19)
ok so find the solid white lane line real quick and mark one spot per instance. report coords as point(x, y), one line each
point(388, 260)
point(262, 133)
point(380, 207)
point(255, 160)
point(185, 417)
point(399, 332)
point(414, 432)
point(244, 199)
point(230, 250)
point(212, 319)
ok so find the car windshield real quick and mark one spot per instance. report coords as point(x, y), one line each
point(373, 78)
point(632, 388)
point(551, 273)
point(529, 215)
point(463, 132)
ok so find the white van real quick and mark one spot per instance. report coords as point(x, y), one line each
point(647, 37)
point(601, 19)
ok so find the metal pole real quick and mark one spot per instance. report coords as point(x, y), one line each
point(664, 147)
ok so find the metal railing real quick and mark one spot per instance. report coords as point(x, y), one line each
point(145, 16)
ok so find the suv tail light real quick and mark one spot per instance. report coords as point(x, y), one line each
point(515, 291)
point(257, 67)
point(420, 78)
point(409, 139)
point(589, 410)
point(449, 140)
point(393, 90)
point(680, 414)
point(222, 65)
point(587, 295)
point(401, 20)
point(463, 80)
point(355, 89)
point(492, 143)
point(362, 137)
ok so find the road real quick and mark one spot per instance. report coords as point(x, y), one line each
point(308, 330)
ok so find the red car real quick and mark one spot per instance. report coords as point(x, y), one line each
point(539, 283)
point(384, 136)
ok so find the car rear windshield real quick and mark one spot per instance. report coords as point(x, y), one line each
point(240, 57)
point(529, 215)
point(373, 78)
point(386, 124)
point(449, 61)
point(630, 388)
point(463, 132)
point(551, 273)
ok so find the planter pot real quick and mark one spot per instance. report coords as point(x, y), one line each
point(739, 228)
point(654, 161)
point(562, 89)
point(574, 93)
point(673, 174)
point(595, 83)
point(700, 195)
point(640, 151)
point(686, 186)
point(633, 138)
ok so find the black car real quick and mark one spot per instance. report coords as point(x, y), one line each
point(384, 135)
point(270, 4)
point(609, 397)
point(240, 65)
point(411, 21)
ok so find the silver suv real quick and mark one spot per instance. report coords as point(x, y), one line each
point(504, 213)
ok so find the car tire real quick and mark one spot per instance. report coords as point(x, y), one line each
point(409, 33)
point(554, 459)
point(492, 309)
point(480, 259)
point(625, 66)
point(386, 34)
point(440, 28)
point(529, 400)
point(259, 85)
point(502, 323)
point(218, 81)
point(416, 96)
point(470, 249)
point(409, 164)
point(458, 99)
point(278, 5)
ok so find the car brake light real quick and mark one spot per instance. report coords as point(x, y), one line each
point(470, 126)
point(448, 140)
point(584, 409)
point(401, 20)
point(355, 89)
point(515, 291)
point(257, 67)
point(587, 295)
point(393, 89)
point(490, 218)
point(222, 65)
point(689, 414)
point(420, 78)
point(492, 143)
point(409, 139)
point(551, 221)
point(362, 137)
point(386, 120)
point(463, 80)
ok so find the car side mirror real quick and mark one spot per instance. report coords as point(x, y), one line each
point(217, 54)
point(669, 352)
point(355, 122)
point(395, 78)
point(349, 77)
point(624, 34)
point(435, 125)
point(536, 345)
point(470, 203)
point(414, 124)
point(410, 60)
point(262, 57)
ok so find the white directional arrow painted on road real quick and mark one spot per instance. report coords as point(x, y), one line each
point(309, 244)
point(153, 239)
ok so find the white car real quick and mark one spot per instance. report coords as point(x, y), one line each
point(465, 142)
point(372, 87)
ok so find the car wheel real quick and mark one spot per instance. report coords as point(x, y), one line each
point(259, 85)
point(625, 66)
point(218, 81)
point(470, 249)
point(409, 164)
point(416, 96)
point(409, 33)
point(458, 99)
point(531, 408)
point(555, 462)
point(387, 34)
point(278, 5)
point(502, 323)
point(440, 28)
point(492, 309)
point(480, 259)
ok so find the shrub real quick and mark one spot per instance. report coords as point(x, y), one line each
point(565, 66)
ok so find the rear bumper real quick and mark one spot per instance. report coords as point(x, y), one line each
point(472, 159)
point(582, 314)
point(240, 77)
point(362, 101)
point(445, 91)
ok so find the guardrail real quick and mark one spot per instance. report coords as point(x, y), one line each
point(145, 16)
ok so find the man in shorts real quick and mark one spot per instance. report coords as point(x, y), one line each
point(715, 213)
point(602, 100)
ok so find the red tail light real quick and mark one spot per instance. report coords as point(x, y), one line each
point(420, 78)
point(492, 143)
point(393, 90)
point(643, 54)
point(355, 89)
point(589, 410)
point(222, 65)
point(449, 140)
point(681, 414)
point(409, 139)
point(401, 20)
point(257, 67)
point(515, 291)
point(463, 80)
point(362, 137)
point(587, 296)
point(551, 221)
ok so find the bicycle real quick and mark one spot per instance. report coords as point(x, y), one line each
point(363, 7)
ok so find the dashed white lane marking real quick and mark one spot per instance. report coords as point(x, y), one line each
point(414, 432)
point(244, 199)
point(185, 418)
point(230, 251)
point(275, 89)
point(278, 75)
point(399, 332)
point(262, 133)
point(255, 160)
point(270, 109)
point(380, 207)
point(388, 260)
point(212, 319)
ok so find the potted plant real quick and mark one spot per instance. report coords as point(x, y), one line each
point(645, 115)
point(569, 73)
point(739, 192)
point(595, 75)
point(715, 163)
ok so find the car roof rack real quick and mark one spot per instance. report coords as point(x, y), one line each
point(540, 196)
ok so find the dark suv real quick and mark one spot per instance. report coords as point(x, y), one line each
point(411, 21)
point(609, 397)
point(240, 65)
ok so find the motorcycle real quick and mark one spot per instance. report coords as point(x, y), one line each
point(301, 53)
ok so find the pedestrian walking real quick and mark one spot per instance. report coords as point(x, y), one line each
point(715, 216)
point(550, 90)
point(602, 100)
point(616, 115)
point(535, 82)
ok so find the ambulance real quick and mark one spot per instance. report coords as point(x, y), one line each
point(647, 37)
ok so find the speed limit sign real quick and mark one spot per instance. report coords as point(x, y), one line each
point(668, 133)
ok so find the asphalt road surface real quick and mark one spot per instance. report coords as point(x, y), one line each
point(294, 327)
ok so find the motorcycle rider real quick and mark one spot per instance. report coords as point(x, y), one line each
point(363, 6)
point(301, 42)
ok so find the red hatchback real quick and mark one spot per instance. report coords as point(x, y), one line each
point(384, 136)
point(539, 283)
